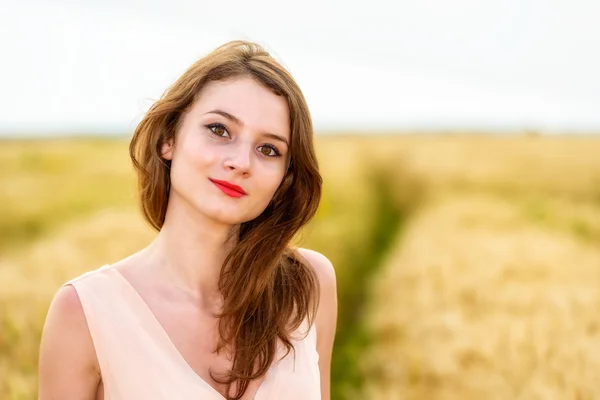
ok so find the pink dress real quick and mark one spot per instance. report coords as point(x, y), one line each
point(138, 360)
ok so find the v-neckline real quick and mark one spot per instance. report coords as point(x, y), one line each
point(169, 342)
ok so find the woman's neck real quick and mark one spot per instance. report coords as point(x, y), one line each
point(190, 250)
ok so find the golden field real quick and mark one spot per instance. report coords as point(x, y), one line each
point(468, 266)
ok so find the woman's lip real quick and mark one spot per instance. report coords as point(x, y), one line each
point(229, 188)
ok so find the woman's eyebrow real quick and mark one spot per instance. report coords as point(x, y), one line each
point(238, 121)
point(277, 137)
point(225, 114)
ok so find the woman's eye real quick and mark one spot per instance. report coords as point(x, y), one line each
point(268, 151)
point(219, 130)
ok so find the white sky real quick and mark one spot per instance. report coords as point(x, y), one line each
point(95, 66)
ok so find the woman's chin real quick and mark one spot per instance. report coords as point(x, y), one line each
point(228, 214)
point(228, 218)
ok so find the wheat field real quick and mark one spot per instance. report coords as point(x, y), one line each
point(468, 265)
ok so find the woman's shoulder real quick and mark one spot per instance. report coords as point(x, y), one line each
point(326, 318)
point(321, 265)
point(66, 302)
point(88, 274)
point(66, 349)
point(326, 277)
point(67, 325)
point(102, 272)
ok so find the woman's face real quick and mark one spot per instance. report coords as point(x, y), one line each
point(237, 132)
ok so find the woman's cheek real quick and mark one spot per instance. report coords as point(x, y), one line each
point(275, 178)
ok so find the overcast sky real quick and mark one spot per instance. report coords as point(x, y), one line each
point(95, 66)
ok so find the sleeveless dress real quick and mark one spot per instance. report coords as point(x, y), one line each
point(138, 360)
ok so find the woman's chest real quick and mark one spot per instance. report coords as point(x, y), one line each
point(195, 336)
point(164, 350)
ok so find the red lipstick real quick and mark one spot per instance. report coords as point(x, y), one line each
point(229, 188)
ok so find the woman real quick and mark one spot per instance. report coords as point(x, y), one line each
point(219, 305)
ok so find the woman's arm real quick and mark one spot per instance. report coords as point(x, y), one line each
point(326, 318)
point(68, 367)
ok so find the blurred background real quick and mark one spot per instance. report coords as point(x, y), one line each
point(458, 144)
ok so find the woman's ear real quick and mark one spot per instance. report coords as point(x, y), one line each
point(166, 150)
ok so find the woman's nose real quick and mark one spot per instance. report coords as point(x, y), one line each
point(239, 159)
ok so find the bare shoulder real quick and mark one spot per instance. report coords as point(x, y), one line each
point(327, 311)
point(326, 318)
point(68, 367)
point(322, 266)
point(65, 316)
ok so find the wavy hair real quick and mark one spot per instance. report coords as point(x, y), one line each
point(268, 289)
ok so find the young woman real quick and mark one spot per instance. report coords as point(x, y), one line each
point(219, 305)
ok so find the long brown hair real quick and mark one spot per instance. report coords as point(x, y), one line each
point(267, 287)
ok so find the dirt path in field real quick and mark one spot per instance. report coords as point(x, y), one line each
point(479, 301)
